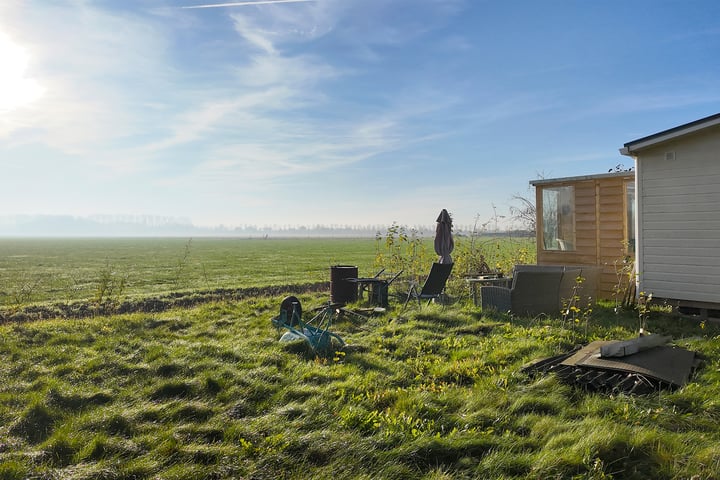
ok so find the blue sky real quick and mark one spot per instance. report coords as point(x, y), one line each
point(335, 111)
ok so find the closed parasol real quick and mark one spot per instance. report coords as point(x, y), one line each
point(444, 243)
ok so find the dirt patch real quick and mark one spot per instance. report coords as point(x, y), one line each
point(154, 304)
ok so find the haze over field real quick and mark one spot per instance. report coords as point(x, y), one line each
point(333, 112)
point(150, 226)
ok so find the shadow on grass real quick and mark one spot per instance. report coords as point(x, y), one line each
point(76, 402)
point(427, 453)
point(35, 425)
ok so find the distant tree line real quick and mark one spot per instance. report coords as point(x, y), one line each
point(147, 225)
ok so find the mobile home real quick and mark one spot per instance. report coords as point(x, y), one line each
point(678, 221)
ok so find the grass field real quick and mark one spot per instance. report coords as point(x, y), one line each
point(209, 392)
point(97, 270)
point(37, 270)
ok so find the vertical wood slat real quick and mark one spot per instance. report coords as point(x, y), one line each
point(601, 217)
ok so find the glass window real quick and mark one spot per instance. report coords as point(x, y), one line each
point(558, 212)
point(630, 215)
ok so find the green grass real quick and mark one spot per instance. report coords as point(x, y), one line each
point(207, 391)
point(434, 393)
point(42, 270)
point(45, 278)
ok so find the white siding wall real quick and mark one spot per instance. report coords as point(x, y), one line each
point(679, 218)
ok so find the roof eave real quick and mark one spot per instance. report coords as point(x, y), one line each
point(666, 135)
point(581, 178)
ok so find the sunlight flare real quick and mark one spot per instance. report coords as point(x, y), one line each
point(16, 89)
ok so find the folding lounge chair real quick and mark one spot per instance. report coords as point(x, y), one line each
point(434, 285)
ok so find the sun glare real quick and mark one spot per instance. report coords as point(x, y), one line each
point(16, 90)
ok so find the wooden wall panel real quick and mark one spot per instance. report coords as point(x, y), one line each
point(600, 216)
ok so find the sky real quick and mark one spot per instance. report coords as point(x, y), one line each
point(335, 112)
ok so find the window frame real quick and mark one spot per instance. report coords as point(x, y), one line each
point(558, 235)
point(630, 216)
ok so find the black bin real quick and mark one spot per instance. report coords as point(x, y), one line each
point(342, 291)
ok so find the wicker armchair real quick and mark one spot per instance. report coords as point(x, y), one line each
point(536, 289)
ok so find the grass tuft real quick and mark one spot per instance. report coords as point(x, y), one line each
point(59, 450)
point(35, 424)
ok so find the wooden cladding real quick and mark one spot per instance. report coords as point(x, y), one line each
point(602, 229)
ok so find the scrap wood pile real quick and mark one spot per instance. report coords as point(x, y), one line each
point(640, 366)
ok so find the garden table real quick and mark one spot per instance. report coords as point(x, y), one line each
point(378, 289)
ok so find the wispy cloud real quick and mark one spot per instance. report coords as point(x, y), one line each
point(265, 114)
point(245, 4)
point(287, 99)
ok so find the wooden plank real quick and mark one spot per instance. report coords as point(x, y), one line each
point(612, 247)
point(618, 206)
point(584, 236)
point(612, 234)
point(565, 258)
point(615, 202)
point(584, 198)
point(610, 193)
point(585, 222)
point(586, 244)
point(608, 234)
point(589, 210)
point(612, 219)
point(612, 253)
point(585, 228)
point(585, 252)
point(611, 210)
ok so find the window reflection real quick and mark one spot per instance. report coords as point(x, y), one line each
point(558, 207)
